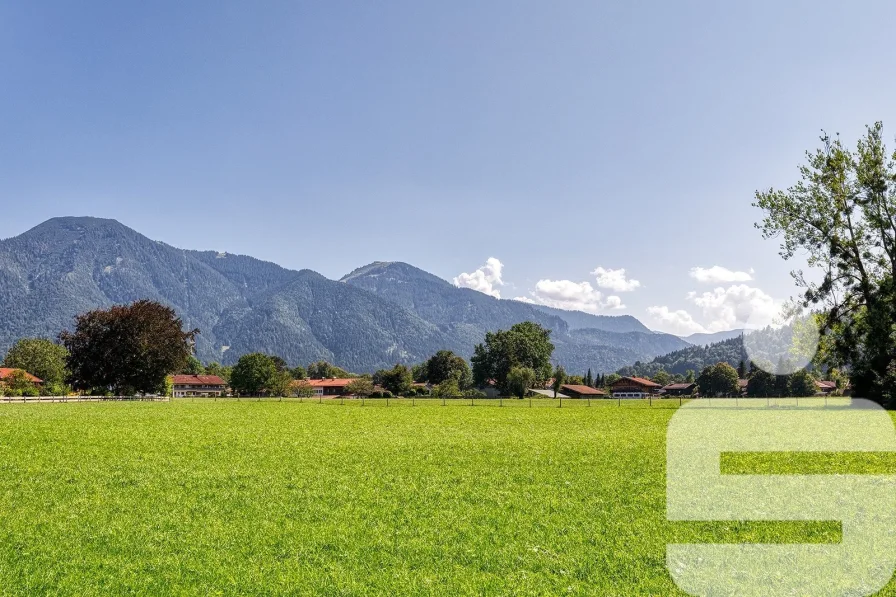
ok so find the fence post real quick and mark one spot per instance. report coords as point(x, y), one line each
point(649, 399)
point(500, 401)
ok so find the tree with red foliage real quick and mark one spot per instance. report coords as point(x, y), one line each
point(127, 349)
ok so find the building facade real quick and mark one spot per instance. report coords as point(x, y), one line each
point(204, 386)
point(633, 387)
point(330, 387)
point(680, 389)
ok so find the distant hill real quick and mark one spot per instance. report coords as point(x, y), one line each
point(376, 316)
point(694, 358)
point(610, 342)
point(577, 320)
point(765, 345)
point(702, 339)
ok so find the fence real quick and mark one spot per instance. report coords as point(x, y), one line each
point(504, 401)
point(50, 399)
point(501, 401)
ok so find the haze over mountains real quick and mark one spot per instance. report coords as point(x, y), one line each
point(375, 316)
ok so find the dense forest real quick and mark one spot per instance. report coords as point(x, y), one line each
point(769, 345)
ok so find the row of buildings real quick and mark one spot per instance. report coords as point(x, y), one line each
point(639, 387)
point(207, 386)
point(624, 387)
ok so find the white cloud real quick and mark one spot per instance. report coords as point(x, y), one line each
point(486, 279)
point(718, 274)
point(736, 306)
point(721, 309)
point(679, 322)
point(614, 279)
point(566, 294)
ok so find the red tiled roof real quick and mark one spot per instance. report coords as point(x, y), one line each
point(6, 372)
point(198, 380)
point(330, 383)
point(742, 383)
point(638, 380)
point(826, 384)
point(583, 390)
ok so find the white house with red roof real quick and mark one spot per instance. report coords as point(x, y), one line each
point(199, 386)
point(330, 387)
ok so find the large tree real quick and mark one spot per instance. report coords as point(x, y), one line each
point(444, 365)
point(254, 374)
point(127, 349)
point(841, 215)
point(761, 384)
point(40, 357)
point(662, 377)
point(397, 380)
point(718, 380)
point(802, 384)
point(525, 344)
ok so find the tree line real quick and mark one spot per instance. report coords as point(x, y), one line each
point(135, 348)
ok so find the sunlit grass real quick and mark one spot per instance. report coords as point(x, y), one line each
point(273, 497)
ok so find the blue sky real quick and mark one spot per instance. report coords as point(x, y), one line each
point(564, 140)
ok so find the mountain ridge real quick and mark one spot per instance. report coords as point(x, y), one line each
point(378, 314)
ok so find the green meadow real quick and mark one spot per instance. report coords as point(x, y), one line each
point(269, 497)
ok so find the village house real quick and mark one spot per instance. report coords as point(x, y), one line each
point(7, 373)
point(204, 386)
point(633, 387)
point(330, 387)
point(680, 389)
point(578, 391)
point(825, 387)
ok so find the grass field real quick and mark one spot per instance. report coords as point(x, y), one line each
point(324, 499)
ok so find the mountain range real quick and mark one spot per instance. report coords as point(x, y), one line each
point(375, 316)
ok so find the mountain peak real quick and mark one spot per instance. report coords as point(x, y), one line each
point(68, 228)
point(394, 270)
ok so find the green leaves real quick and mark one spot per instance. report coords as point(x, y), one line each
point(842, 215)
point(40, 357)
point(525, 344)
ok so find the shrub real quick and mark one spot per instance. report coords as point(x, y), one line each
point(376, 394)
point(387, 394)
point(422, 392)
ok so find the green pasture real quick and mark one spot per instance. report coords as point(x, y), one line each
point(253, 497)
